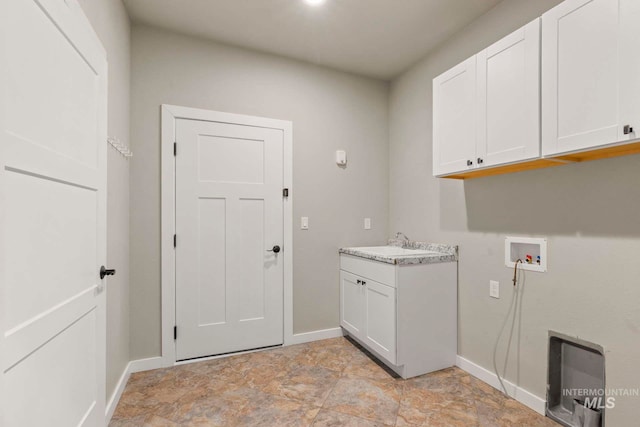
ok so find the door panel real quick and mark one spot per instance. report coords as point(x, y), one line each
point(509, 98)
point(454, 118)
point(49, 213)
point(68, 114)
point(212, 253)
point(229, 214)
point(629, 68)
point(75, 374)
point(252, 247)
point(580, 75)
point(351, 303)
point(380, 315)
point(53, 75)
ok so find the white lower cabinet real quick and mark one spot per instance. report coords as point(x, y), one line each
point(380, 319)
point(368, 312)
point(351, 303)
point(404, 314)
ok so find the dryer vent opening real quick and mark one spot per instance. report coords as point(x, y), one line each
point(576, 382)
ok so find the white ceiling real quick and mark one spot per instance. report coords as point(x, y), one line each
point(377, 38)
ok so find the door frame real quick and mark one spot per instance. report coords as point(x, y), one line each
point(169, 115)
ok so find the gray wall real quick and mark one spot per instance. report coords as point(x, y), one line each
point(329, 109)
point(589, 212)
point(111, 23)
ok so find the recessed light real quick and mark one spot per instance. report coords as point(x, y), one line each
point(314, 2)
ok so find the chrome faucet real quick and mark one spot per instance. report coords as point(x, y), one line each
point(404, 236)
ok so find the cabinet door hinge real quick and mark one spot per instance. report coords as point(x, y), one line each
point(175, 240)
point(175, 332)
point(285, 192)
point(175, 148)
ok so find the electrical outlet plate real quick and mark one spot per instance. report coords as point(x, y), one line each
point(494, 289)
point(304, 223)
point(367, 223)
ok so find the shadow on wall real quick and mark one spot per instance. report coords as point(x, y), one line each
point(599, 198)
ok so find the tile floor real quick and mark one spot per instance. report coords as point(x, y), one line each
point(324, 383)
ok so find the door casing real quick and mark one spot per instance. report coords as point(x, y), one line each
point(169, 115)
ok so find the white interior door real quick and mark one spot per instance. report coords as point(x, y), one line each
point(53, 215)
point(509, 98)
point(580, 75)
point(229, 217)
point(454, 119)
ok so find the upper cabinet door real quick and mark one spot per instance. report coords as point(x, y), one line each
point(454, 119)
point(629, 68)
point(509, 98)
point(580, 75)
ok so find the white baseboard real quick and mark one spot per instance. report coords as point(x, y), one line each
point(322, 334)
point(518, 393)
point(145, 364)
point(132, 367)
point(117, 393)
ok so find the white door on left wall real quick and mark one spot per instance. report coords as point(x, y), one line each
point(53, 98)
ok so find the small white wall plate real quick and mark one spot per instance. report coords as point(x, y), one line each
point(519, 247)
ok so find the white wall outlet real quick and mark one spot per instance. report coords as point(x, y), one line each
point(367, 223)
point(494, 289)
point(304, 223)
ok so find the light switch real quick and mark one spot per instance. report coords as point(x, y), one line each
point(494, 289)
point(367, 223)
point(304, 223)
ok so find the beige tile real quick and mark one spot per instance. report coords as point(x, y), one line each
point(155, 421)
point(287, 386)
point(511, 413)
point(362, 365)
point(207, 407)
point(142, 421)
point(311, 384)
point(326, 418)
point(267, 410)
point(366, 398)
point(451, 380)
point(331, 343)
point(420, 406)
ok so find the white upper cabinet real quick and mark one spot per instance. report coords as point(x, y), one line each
point(454, 119)
point(590, 68)
point(508, 98)
point(629, 46)
point(486, 110)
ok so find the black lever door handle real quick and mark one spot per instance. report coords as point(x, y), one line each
point(275, 249)
point(106, 272)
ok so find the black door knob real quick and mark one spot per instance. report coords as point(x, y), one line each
point(469, 162)
point(480, 161)
point(106, 272)
point(275, 249)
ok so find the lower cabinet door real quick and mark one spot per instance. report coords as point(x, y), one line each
point(352, 303)
point(380, 319)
